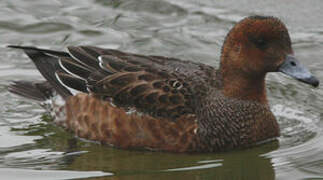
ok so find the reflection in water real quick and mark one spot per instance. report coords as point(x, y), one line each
point(246, 164)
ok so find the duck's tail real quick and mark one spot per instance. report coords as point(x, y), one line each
point(39, 91)
point(47, 62)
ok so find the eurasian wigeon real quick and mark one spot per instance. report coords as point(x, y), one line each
point(152, 102)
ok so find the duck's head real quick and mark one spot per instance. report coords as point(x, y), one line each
point(258, 45)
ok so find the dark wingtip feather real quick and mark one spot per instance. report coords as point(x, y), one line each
point(15, 46)
point(47, 51)
point(47, 64)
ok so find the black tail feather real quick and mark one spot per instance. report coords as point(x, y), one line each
point(36, 91)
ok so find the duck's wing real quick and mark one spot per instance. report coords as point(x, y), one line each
point(156, 85)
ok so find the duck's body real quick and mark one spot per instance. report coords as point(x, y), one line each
point(159, 103)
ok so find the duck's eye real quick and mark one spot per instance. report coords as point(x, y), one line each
point(260, 43)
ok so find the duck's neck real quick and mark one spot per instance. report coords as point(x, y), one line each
point(244, 87)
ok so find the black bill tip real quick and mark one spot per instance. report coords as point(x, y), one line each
point(311, 80)
point(293, 68)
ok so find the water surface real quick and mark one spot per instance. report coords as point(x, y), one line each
point(31, 147)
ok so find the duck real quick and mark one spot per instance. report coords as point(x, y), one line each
point(133, 101)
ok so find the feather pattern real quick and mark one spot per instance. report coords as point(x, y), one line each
point(154, 85)
point(132, 81)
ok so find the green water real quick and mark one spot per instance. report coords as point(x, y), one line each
point(31, 147)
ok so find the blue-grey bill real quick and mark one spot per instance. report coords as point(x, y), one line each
point(293, 68)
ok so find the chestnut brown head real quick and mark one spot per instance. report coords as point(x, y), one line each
point(258, 45)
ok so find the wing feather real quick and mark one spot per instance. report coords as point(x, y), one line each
point(150, 84)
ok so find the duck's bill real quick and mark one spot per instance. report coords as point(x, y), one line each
point(293, 68)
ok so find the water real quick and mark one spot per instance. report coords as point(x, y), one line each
point(31, 147)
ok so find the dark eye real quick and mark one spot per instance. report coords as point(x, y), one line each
point(260, 43)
